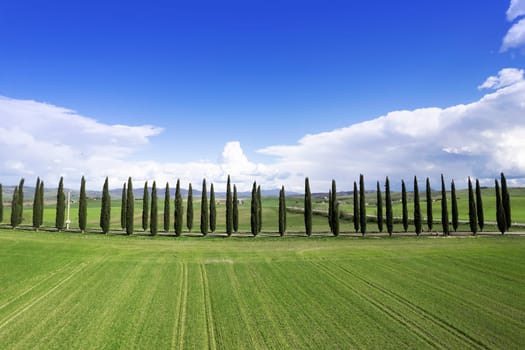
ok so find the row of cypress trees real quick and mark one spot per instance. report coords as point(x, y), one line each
point(209, 215)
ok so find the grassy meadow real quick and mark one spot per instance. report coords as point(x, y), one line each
point(78, 291)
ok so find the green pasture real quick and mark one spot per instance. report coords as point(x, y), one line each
point(86, 291)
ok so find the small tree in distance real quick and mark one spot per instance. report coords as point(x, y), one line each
point(417, 209)
point(472, 213)
point(123, 207)
point(204, 209)
point(61, 206)
point(388, 204)
point(189, 211)
point(154, 213)
point(145, 207)
point(130, 208)
point(430, 217)
point(454, 200)
point(213, 209)
point(167, 209)
point(444, 208)
point(404, 203)
point(356, 208)
point(500, 210)
point(379, 208)
point(82, 206)
point(105, 209)
point(307, 208)
point(177, 221)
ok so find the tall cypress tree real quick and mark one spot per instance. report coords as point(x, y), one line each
point(235, 214)
point(479, 206)
point(417, 208)
point(453, 199)
point(334, 215)
point(145, 207)
point(379, 208)
point(356, 208)
point(15, 203)
point(282, 212)
point(189, 211)
point(123, 207)
point(362, 205)
point(154, 214)
point(388, 205)
point(229, 208)
point(130, 208)
point(1, 204)
point(500, 210)
point(404, 204)
point(204, 209)
point(330, 211)
point(61, 206)
point(82, 206)
point(178, 210)
point(167, 209)
point(259, 209)
point(105, 209)
point(254, 212)
point(36, 203)
point(20, 210)
point(505, 198)
point(430, 217)
point(307, 208)
point(472, 217)
point(444, 208)
point(213, 209)
point(41, 204)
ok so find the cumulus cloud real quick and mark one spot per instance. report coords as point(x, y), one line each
point(505, 77)
point(516, 9)
point(515, 37)
point(479, 139)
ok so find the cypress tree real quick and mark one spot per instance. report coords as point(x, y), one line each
point(235, 215)
point(362, 204)
point(61, 206)
point(189, 211)
point(130, 208)
point(404, 203)
point(1, 204)
point(334, 217)
point(154, 214)
point(167, 209)
point(41, 204)
point(453, 199)
point(479, 206)
point(444, 208)
point(204, 209)
point(307, 208)
point(105, 209)
point(254, 212)
point(417, 208)
point(229, 208)
point(20, 210)
point(282, 212)
point(259, 209)
point(500, 211)
point(36, 203)
point(388, 204)
point(15, 208)
point(356, 208)
point(430, 217)
point(330, 211)
point(123, 207)
point(82, 206)
point(178, 210)
point(145, 207)
point(379, 208)
point(213, 209)
point(472, 217)
point(505, 198)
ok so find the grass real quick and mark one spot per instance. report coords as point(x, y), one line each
point(61, 290)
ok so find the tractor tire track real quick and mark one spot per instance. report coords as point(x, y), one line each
point(35, 300)
point(450, 328)
point(212, 344)
point(179, 326)
point(418, 330)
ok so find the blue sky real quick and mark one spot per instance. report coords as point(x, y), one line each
point(264, 73)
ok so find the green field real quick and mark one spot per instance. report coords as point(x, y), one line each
point(74, 291)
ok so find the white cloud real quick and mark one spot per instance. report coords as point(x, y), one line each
point(478, 139)
point(516, 9)
point(505, 77)
point(515, 37)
